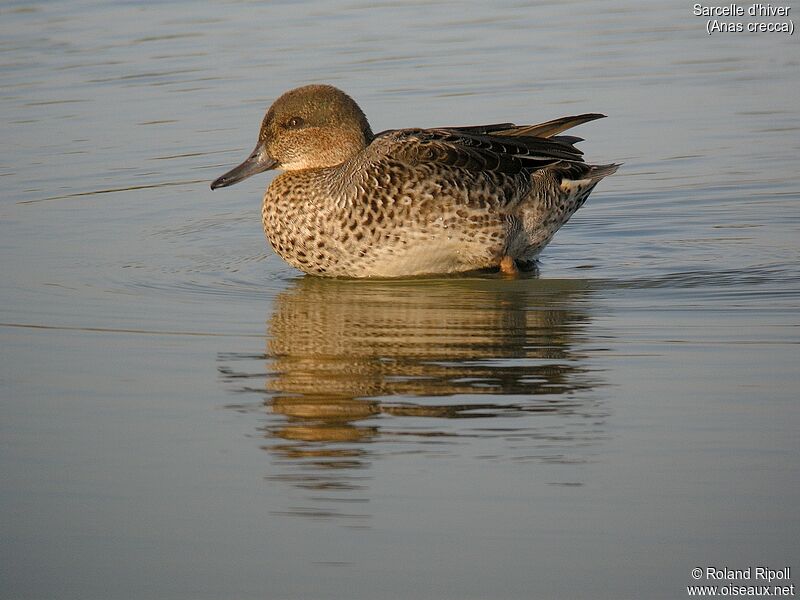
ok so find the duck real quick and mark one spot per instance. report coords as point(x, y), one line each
point(415, 201)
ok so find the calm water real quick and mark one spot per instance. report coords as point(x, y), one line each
point(184, 416)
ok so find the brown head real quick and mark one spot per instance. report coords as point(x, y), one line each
point(309, 127)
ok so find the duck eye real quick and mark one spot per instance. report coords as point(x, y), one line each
point(295, 122)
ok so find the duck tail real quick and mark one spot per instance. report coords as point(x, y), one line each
point(598, 172)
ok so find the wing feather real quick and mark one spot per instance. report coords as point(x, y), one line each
point(548, 128)
point(502, 147)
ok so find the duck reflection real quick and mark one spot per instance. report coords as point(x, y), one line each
point(425, 363)
point(335, 343)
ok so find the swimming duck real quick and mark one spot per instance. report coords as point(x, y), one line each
point(408, 202)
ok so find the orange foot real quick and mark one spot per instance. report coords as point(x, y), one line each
point(508, 266)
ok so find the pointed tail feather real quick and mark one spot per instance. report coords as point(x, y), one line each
point(598, 172)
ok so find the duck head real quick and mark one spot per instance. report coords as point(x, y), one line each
point(310, 127)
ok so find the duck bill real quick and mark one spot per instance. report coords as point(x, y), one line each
point(258, 162)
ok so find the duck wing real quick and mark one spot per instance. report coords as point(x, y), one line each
point(547, 129)
point(502, 147)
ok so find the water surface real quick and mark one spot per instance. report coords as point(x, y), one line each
point(185, 416)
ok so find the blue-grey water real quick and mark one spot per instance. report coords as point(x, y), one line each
point(184, 416)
